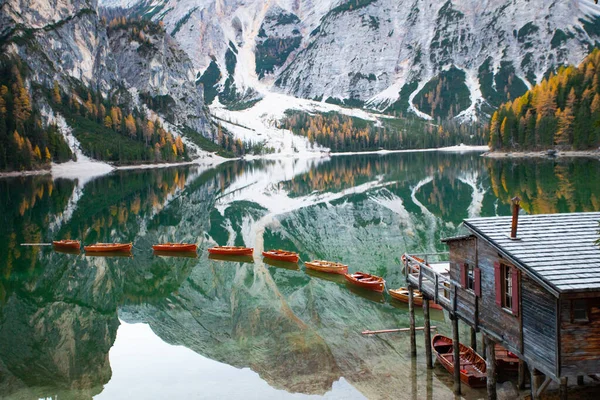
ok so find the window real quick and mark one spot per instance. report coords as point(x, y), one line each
point(470, 276)
point(507, 281)
point(507, 298)
point(579, 311)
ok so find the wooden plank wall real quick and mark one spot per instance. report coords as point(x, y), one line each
point(580, 341)
point(539, 324)
point(463, 251)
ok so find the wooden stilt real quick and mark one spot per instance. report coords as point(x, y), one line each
point(483, 348)
point(580, 380)
point(563, 389)
point(411, 316)
point(427, 333)
point(535, 383)
point(473, 339)
point(456, 348)
point(521, 377)
point(490, 361)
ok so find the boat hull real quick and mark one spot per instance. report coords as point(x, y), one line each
point(286, 257)
point(109, 248)
point(366, 281)
point(175, 247)
point(472, 366)
point(329, 268)
point(231, 251)
point(70, 244)
point(417, 299)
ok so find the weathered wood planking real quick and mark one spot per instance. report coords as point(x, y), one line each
point(580, 344)
point(539, 324)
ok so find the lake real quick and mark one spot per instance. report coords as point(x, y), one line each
point(74, 326)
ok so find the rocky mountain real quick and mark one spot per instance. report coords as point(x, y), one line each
point(436, 58)
point(133, 66)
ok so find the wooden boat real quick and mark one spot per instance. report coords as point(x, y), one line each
point(366, 281)
point(67, 244)
point(506, 361)
point(177, 254)
point(175, 247)
point(401, 294)
point(419, 259)
point(231, 250)
point(108, 247)
point(327, 266)
point(472, 366)
point(281, 255)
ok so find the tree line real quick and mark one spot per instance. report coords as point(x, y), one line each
point(25, 142)
point(562, 111)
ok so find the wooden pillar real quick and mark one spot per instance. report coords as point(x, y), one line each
point(490, 361)
point(427, 333)
point(473, 339)
point(456, 357)
point(535, 383)
point(483, 347)
point(563, 389)
point(411, 316)
point(580, 380)
point(521, 377)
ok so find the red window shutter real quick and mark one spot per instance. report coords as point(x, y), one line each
point(477, 281)
point(515, 289)
point(498, 280)
point(464, 270)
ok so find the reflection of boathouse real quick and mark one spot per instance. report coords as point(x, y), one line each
point(536, 293)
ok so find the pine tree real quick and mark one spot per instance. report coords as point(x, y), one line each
point(56, 93)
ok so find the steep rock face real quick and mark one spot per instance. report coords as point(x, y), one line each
point(68, 42)
point(161, 73)
point(383, 52)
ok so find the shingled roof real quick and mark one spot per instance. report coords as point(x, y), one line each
point(559, 249)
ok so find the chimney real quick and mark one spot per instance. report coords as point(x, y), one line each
point(515, 216)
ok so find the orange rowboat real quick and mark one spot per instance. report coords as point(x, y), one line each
point(175, 247)
point(327, 266)
point(402, 295)
point(231, 250)
point(472, 366)
point(67, 244)
point(366, 281)
point(282, 255)
point(108, 247)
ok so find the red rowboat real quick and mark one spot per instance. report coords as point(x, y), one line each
point(327, 266)
point(282, 255)
point(175, 247)
point(231, 250)
point(472, 366)
point(108, 247)
point(67, 244)
point(402, 295)
point(366, 281)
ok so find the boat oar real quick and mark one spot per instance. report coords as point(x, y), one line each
point(36, 244)
point(418, 328)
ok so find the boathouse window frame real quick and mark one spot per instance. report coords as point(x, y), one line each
point(582, 307)
point(507, 283)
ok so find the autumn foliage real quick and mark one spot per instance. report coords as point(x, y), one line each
point(562, 111)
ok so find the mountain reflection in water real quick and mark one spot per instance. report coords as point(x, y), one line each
point(77, 327)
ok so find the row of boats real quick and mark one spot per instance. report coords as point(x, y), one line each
point(359, 279)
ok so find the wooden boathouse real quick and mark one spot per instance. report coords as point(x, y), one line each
point(530, 283)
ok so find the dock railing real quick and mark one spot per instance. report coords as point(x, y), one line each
point(433, 283)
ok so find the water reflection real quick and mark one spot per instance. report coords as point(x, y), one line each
point(297, 330)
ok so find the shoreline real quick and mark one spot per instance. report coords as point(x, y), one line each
point(72, 170)
point(543, 154)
